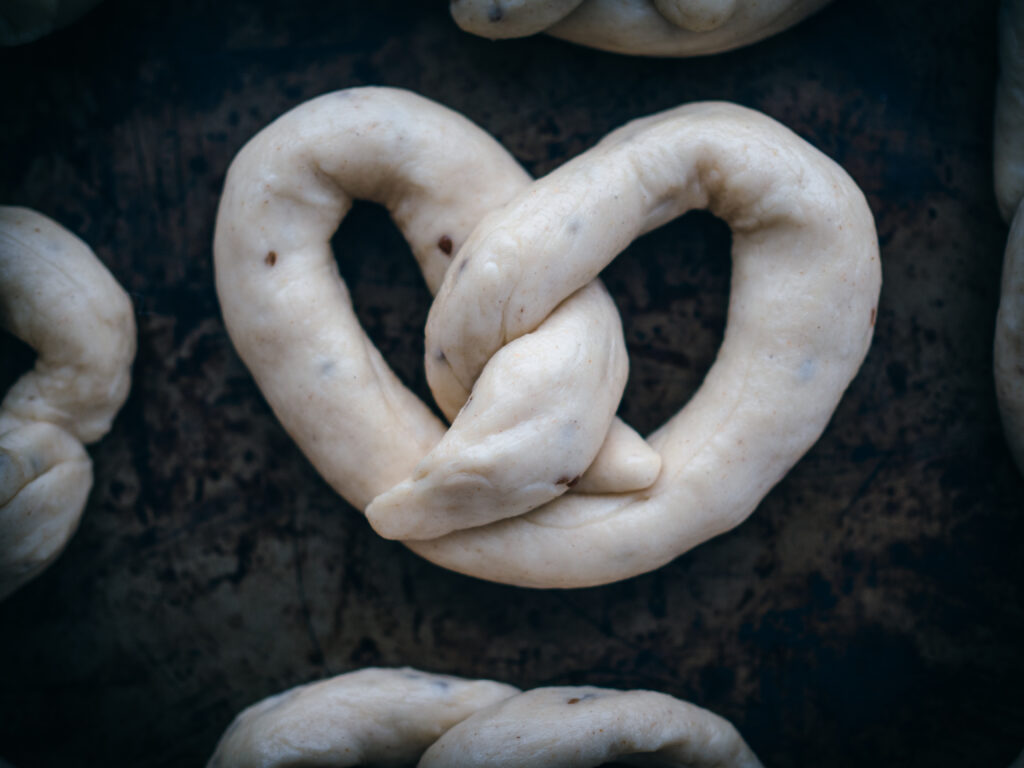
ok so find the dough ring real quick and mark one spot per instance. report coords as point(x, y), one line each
point(56, 296)
point(377, 717)
point(520, 301)
point(639, 27)
point(1009, 178)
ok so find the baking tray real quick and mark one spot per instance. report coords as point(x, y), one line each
point(869, 611)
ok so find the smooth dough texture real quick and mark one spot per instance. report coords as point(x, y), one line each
point(638, 27)
point(581, 727)
point(58, 298)
point(373, 717)
point(392, 717)
point(523, 345)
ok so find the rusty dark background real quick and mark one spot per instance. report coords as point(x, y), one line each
point(868, 613)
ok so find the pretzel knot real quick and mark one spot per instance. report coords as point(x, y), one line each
point(535, 483)
point(56, 296)
point(639, 27)
point(405, 717)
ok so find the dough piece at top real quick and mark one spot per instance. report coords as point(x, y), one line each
point(372, 717)
point(58, 298)
point(637, 27)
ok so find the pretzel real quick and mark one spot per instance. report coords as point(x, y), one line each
point(398, 716)
point(520, 294)
point(56, 296)
point(1009, 185)
point(369, 717)
point(639, 27)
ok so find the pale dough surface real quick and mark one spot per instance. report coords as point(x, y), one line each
point(523, 347)
point(583, 727)
point(638, 27)
point(58, 298)
point(396, 717)
point(805, 285)
point(291, 320)
point(373, 717)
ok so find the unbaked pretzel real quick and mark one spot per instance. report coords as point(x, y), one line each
point(57, 297)
point(520, 294)
point(639, 27)
point(1009, 181)
point(377, 717)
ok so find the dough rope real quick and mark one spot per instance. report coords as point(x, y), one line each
point(376, 717)
point(523, 345)
point(638, 27)
point(1008, 364)
point(57, 297)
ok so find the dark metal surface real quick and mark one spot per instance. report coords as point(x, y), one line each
point(869, 612)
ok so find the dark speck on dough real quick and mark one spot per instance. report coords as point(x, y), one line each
point(572, 701)
point(495, 13)
point(566, 480)
point(445, 244)
point(441, 356)
point(271, 259)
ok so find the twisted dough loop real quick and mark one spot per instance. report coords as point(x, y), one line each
point(639, 27)
point(277, 280)
point(58, 298)
point(806, 278)
point(376, 717)
point(521, 290)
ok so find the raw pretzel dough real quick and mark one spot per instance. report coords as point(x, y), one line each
point(514, 305)
point(390, 717)
point(1009, 179)
point(58, 298)
point(384, 717)
point(581, 727)
point(639, 27)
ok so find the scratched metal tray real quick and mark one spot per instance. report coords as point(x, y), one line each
point(870, 610)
